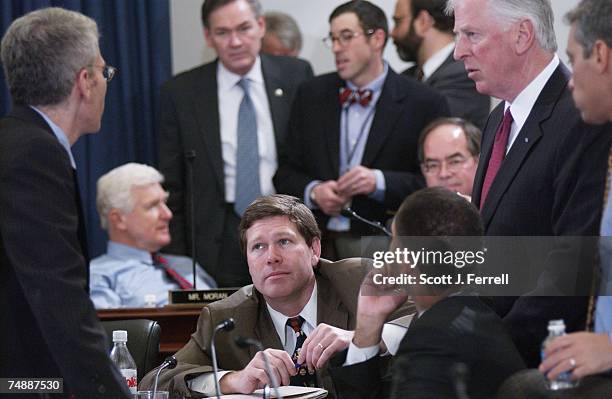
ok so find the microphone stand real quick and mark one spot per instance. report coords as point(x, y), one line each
point(169, 363)
point(225, 325)
point(190, 157)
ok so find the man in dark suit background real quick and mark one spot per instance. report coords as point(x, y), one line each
point(353, 133)
point(452, 326)
point(229, 140)
point(541, 167)
point(423, 34)
point(57, 79)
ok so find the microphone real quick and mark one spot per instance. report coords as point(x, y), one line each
point(246, 342)
point(225, 325)
point(351, 214)
point(190, 157)
point(168, 363)
point(459, 373)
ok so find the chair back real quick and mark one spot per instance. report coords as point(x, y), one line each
point(143, 341)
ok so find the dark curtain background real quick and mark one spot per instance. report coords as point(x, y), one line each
point(135, 38)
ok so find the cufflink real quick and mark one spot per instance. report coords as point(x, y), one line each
point(278, 92)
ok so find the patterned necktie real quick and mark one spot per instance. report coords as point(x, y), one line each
point(304, 378)
point(497, 155)
point(159, 260)
point(247, 153)
point(348, 97)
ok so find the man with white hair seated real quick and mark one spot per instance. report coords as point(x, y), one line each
point(132, 207)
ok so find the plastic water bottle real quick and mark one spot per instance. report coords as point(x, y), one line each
point(556, 328)
point(120, 355)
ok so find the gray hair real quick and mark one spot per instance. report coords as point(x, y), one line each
point(539, 12)
point(43, 51)
point(593, 22)
point(114, 189)
point(285, 28)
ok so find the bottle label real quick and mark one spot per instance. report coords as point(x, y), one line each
point(131, 380)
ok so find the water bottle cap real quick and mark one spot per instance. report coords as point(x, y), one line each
point(556, 325)
point(119, 336)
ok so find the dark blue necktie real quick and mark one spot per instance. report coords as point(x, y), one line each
point(248, 187)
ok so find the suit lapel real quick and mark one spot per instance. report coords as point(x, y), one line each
point(329, 309)
point(206, 106)
point(488, 139)
point(388, 109)
point(333, 115)
point(529, 135)
point(277, 92)
point(432, 78)
point(264, 327)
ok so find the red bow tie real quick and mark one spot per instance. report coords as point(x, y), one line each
point(348, 97)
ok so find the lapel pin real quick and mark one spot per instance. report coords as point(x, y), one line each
point(526, 139)
point(278, 92)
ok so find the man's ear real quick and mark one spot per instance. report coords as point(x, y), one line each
point(379, 39)
point(423, 22)
point(208, 38)
point(602, 56)
point(316, 251)
point(525, 36)
point(117, 219)
point(84, 82)
point(261, 21)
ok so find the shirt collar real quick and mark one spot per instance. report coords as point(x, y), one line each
point(59, 133)
point(375, 85)
point(309, 313)
point(521, 107)
point(123, 251)
point(227, 79)
point(434, 62)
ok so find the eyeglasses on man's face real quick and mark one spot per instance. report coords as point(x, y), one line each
point(453, 164)
point(108, 72)
point(345, 37)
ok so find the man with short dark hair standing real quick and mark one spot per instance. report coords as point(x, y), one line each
point(57, 79)
point(353, 132)
point(423, 34)
point(224, 122)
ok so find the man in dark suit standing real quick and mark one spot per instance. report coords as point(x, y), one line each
point(541, 167)
point(57, 79)
point(353, 133)
point(423, 34)
point(225, 122)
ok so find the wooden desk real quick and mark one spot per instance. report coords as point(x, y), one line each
point(177, 323)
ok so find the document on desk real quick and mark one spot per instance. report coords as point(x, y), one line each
point(290, 391)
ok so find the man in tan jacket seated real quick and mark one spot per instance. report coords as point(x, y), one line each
point(297, 299)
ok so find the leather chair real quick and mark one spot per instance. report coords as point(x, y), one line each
point(143, 341)
point(530, 384)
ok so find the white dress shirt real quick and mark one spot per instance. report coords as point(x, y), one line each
point(230, 95)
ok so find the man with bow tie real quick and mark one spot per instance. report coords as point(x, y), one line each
point(353, 133)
